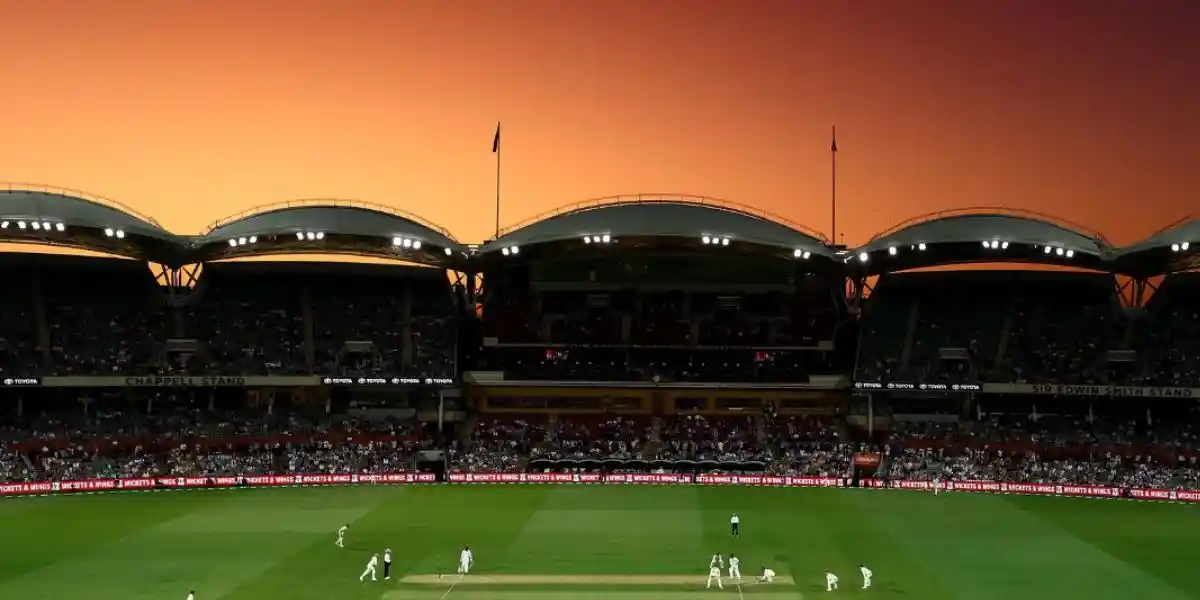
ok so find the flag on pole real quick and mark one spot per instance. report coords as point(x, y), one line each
point(832, 147)
point(496, 140)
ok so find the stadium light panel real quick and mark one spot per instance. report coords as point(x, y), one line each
point(20, 224)
point(35, 225)
point(120, 234)
point(60, 227)
point(416, 244)
point(1048, 250)
point(449, 252)
point(1004, 245)
point(3, 224)
point(706, 239)
point(46, 225)
point(892, 251)
point(1058, 251)
point(1184, 246)
point(921, 246)
point(300, 235)
point(516, 249)
point(233, 243)
point(587, 239)
point(863, 257)
point(320, 235)
point(241, 241)
point(254, 239)
point(606, 238)
point(1070, 253)
point(724, 241)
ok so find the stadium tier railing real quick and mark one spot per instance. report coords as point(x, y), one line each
point(259, 481)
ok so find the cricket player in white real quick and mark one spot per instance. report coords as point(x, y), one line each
point(866, 573)
point(191, 595)
point(341, 541)
point(768, 576)
point(370, 570)
point(937, 485)
point(831, 581)
point(714, 573)
point(717, 561)
point(466, 559)
point(735, 570)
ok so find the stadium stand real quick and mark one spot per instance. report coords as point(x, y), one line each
point(644, 334)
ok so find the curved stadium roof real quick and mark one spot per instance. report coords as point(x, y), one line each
point(348, 217)
point(664, 215)
point(29, 201)
point(1176, 247)
point(975, 225)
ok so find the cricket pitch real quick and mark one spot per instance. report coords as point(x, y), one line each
point(567, 580)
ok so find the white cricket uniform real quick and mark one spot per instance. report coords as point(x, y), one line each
point(465, 559)
point(714, 574)
point(370, 570)
point(768, 576)
point(341, 536)
point(937, 485)
point(735, 571)
point(866, 573)
point(717, 561)
point(191, 597)
point(831, 582)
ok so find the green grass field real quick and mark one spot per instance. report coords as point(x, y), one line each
point(644, 543)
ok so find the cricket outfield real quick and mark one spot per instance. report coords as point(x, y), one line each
point(585, 542)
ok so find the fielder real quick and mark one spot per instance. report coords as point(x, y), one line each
point(714, 573)
point(192, 595)
point(466, 560)
point(866, 573)
point(735, 570)
point(937, 485)
point(387, 563)
point(370, 570)
point(767, 577)
point(734, 522)
point(341, 541)
point(831, 581)
point(717, 561)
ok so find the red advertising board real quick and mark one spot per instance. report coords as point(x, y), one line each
point(318, 479)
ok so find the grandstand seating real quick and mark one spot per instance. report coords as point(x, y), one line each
point(951, 327)
point(87, 316)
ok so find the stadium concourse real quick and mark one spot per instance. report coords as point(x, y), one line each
point(634, 334)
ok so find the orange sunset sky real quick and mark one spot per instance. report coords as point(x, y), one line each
point(191, 111)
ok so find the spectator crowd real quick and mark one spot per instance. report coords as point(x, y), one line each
point(241, 319)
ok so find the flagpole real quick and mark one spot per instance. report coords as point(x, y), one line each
point(496, 151)
point(833, 195)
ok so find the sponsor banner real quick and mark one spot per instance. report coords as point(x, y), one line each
point(908, 386)
point(226, 481)
point(1040, 489)
point(21, 381)
point(210, 381)
point(866, 460)
point(216, 481)
point(404, 381)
